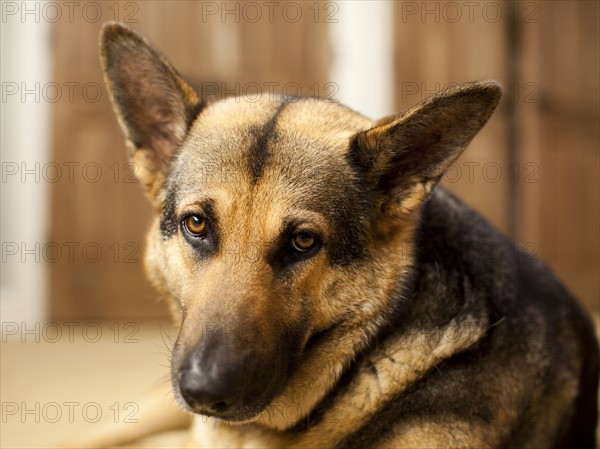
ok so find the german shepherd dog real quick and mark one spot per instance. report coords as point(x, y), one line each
point(327, 293)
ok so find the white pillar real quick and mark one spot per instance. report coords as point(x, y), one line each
point(362, 43)
point(24, 144)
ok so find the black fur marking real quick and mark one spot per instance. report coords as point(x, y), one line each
point(350, 223)
point(585, 420)
point(168, 220)
point(258, 154)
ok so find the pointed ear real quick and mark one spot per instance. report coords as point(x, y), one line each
point(404, 156)
point(154, 105)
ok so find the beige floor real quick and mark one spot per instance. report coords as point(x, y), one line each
point(40, 380)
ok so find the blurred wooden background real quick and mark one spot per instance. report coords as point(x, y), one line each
point(544, 138)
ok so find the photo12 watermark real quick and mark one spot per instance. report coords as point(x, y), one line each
point(68, 412)
point(492, 172)
point(69, 11)
point(51, 92)
point(70, 252)
point(269, 11)
point(417, 91)
point(468, 11)
point(68, 172)
point(70, 332)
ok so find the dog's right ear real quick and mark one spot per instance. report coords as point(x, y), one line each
point(154, 105)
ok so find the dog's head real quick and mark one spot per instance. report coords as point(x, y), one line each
point(280, 222)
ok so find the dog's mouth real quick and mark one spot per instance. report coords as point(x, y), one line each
point(238, 412)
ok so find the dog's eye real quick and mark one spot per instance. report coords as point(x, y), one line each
point(195, 225)
point(303, 241)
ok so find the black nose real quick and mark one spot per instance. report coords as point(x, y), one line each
point(210, 387)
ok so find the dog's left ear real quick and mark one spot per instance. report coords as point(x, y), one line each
point(404, 156)
point(154, 105)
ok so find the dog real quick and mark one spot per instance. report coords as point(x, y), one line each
point(328, 293)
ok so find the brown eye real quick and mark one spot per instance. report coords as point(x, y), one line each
point(303, 241)
point(195, 225)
